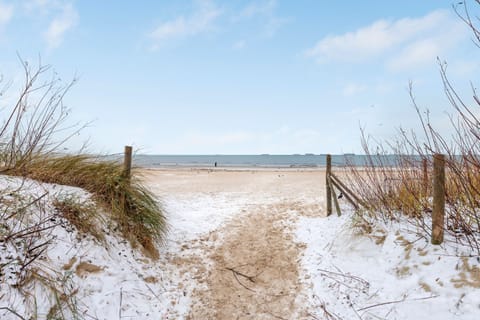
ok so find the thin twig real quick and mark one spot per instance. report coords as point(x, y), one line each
point(121, 300)
point(13, 312)
point(150, 289)
point(345, 275)
point(26, 206)
point(396, 301)
point(249, 278)
point(235, 273)
point(275, 316)
point(381, 304)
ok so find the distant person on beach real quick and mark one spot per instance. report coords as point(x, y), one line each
point(215, 164)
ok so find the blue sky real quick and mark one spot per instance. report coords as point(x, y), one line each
point(242, 77)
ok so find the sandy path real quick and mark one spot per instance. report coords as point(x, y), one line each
point(255, 273)
point(248, 267)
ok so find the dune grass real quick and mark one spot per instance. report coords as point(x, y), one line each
point(136, 210)
point(32, 131)
point(81, 214)
point(403, 188)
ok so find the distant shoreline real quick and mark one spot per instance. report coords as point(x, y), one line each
point(259, 161)
point(229, 168)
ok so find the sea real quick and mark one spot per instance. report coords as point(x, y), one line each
point(260, 161)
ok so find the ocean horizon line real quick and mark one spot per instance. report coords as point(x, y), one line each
point(264, 160)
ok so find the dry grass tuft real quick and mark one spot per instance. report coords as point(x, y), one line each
point(82, 215)
point(139, 216)
point(32, 130)
point(397, 180)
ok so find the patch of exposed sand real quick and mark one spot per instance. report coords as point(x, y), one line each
point(248, 268)
point(255, 273)
point(296, 185)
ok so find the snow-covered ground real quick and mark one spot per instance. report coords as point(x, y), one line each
point(99, 280)
point(391, 273)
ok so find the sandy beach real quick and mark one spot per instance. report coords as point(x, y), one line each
point(248, 244)
point(245, 260)
point(255, 244)
point(260, 183)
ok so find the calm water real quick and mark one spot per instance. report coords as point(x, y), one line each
point(265, 161)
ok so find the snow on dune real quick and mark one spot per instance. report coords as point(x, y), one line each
point(390, 273)
point(100, 280)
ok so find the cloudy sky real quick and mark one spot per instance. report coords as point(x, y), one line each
point(242, 77)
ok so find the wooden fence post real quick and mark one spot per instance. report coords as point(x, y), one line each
point(438, 212)
point(327, 181)
point(127, 162)
point(425, 177)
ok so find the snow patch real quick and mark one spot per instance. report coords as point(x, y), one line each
point(391, 273)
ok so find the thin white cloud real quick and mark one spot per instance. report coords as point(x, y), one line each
point(6, 14)
point(45, 7)
point(424, 51)
point(290, 140)
point(266, 11)
point(259, 8)
point(417, 53)
point(238, 45)
point(464, 68)
point(59, 26)
point(199, 22)
point(418, 39)
point(281, 140)
point(218, 140)
point(306, 138)
point(60, 16)
point(352, 89)
point(39, 5)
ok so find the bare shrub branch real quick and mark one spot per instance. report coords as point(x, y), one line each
point(35, 123)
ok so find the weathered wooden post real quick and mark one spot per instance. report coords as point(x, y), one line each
point(327, 181)
point(438, 213)
point(425, 177)
point(127, 162)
